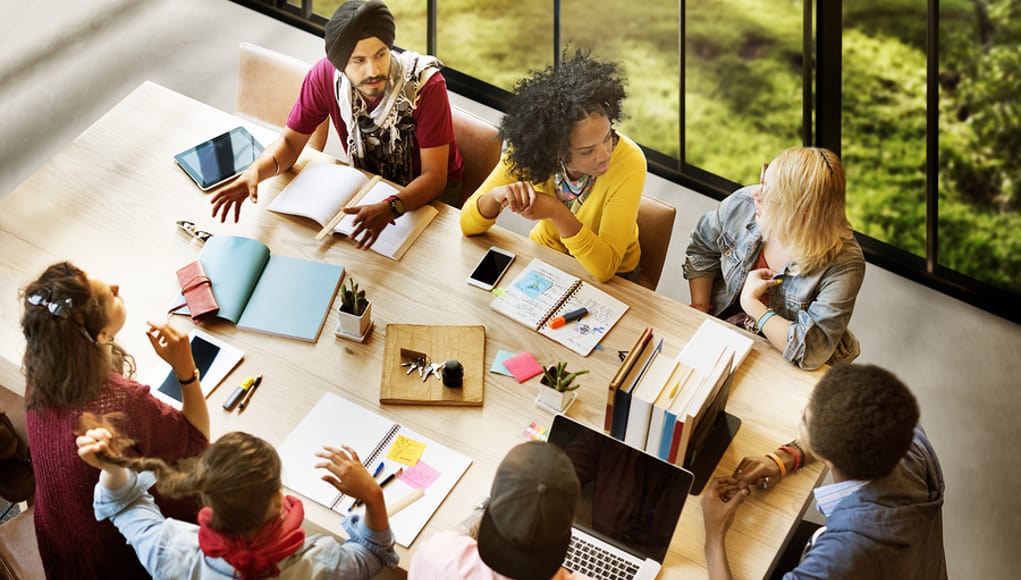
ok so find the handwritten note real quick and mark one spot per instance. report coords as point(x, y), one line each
point(406, 451)
point(420, 476)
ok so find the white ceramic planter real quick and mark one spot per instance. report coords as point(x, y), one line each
point(355, 326)
point(553, 398)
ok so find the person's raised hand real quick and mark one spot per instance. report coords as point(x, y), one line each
point(719, 504)
point(233, 195)
point(370, 221)
point(172, 346)
point(92, 442)
point(346, 473)
point(756, 284)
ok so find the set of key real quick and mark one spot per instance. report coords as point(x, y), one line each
point(424, 366)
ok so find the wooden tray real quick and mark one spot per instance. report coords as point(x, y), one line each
point(466, 344)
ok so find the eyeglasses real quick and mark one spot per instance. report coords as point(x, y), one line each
point(60, 308)
point(189, 228)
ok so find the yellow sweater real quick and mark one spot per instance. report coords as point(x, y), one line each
point(608, 240)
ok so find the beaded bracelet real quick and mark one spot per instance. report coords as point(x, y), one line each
point(779, 463)
point(762, 319)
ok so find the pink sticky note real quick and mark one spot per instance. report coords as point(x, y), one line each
point(523, 366)
point(420, 476)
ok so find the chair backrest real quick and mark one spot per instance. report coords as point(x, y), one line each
point(268, 86)
point(480, 145)
point(655, 227)
point(19, 553)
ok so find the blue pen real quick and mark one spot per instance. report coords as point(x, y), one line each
point(379, 469)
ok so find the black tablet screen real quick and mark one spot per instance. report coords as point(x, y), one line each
point(220, 158)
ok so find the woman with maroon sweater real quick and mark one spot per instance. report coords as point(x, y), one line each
point(73, 365)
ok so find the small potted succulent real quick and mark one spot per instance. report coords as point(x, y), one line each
point(557, 385)
point(355, 311)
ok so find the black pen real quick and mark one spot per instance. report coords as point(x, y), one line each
point(248, 395)
point(386, 480)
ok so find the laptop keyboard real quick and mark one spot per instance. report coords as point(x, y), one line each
point(597, 563)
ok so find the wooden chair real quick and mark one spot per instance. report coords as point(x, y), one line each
point(268, 86)
point(19, 553)
point(480, 146)
point(655, 227)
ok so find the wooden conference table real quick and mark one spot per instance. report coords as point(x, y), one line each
point(109, 201)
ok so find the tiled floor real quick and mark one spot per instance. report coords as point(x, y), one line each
point(65, 63)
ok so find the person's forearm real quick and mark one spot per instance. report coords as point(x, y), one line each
point(375, 512)
point(113, 477)
point(488, 207)
point(774, 328)
point(422, 190)
point(716, 559)
point(193, 406)
point(567, 223)
point(701, 289)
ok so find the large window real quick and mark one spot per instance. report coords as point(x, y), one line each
point(922, 107)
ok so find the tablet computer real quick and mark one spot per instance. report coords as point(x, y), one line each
point(212, 162)
point(214, 358)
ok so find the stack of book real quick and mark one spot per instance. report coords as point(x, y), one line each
point(666, 406)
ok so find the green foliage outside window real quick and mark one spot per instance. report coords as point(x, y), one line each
point(743, 100)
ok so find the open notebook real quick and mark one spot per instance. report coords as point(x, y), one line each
point(322, 190)
point(543, 292)
point(428, 466)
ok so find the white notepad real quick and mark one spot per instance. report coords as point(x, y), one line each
point(335, 421)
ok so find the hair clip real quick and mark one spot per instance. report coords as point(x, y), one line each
point(189, 228)
point(58, 308)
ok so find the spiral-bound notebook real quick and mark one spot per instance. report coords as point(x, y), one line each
point(543, 292)
point(383, 446)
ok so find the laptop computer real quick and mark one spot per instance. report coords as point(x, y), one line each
point(629, 506)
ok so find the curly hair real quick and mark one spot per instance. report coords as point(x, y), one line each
point(547, 104)
point(238, 477)
point(862, 420)
point(63, 363)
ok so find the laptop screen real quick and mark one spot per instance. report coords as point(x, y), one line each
point(628, 497)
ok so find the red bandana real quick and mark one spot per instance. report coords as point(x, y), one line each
point(256, 557)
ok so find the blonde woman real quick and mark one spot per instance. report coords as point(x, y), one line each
point(780, 259)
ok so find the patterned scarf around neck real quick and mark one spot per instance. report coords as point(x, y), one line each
point(258, 556)
point(572, 192)
point(381, 140)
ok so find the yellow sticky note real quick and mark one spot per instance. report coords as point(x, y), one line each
point(406, 451)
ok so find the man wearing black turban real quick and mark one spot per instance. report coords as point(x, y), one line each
point(390, 110)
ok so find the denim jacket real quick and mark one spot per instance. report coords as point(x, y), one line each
point(725, 245)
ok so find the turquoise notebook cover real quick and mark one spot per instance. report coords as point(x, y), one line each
point(274, 294)
point(293, 298)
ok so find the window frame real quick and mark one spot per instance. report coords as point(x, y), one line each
point(822, 98)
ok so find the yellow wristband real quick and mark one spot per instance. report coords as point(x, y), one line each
point(779, 463)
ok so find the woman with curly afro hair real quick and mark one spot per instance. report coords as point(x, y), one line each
point(567, 169)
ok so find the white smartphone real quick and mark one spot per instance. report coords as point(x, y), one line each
point(491, 268)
